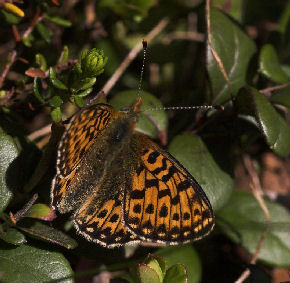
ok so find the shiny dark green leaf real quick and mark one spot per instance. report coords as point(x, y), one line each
point(13, 236)
point(243, 220)
point(235, 49)
point(270, 66)
point(8, 154)
point(274, 128)
point(46, 233)
point(185, 255)
point(30, 264)
point(193, 154)
point(176, 274)
point(282, 97)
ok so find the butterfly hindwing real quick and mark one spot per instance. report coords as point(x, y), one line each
point(165, 203)
point(100, 217)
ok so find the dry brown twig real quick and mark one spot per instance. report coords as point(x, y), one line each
point(132, 54)
point(268, 91)
point(258, 193)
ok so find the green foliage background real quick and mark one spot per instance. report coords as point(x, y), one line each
point(60, 54)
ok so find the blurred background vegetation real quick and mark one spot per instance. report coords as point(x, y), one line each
point(56, 55)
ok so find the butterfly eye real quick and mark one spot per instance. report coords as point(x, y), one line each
point(124, 108)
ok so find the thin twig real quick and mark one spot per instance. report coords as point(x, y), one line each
point(39, 133)
point(19, 214)
point(36, 19)
point(132, 54)
point(267, 91)
point(7, 67)
point(258, 193)
point(214, 53)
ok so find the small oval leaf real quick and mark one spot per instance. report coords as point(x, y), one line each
point(13, 236)
point(46, 233)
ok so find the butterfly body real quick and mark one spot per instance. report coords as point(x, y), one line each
point(122, 187)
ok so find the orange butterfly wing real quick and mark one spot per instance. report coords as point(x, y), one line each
point(100, 216)
point(76, 141)
point(165, 204)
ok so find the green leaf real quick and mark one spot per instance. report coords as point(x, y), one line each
point(235, 49)
point(282, 96)
point(41, 61)
point(56, 101)
point(13, 236)
point(147, 274)
point(57, 20)
point(43, 232)
point(270, 66)
point(152, 262)
point(272, 125)
point(8, 154)
point(151, 123)
point(284, 19)
point(44, 31)
point(30, 264)
point(10, 18)
point(56, 114)
point(55, 81)
point(193, 154)
point(64, 55)
point(86, 83)
point(79, 101)
point(185, 255)
point(176, 274)
point(160, 260)
point(84, 93)
point(37, 89)
point(40, 211)
point(243, 220)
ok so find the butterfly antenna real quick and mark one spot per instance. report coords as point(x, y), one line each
point(144, 43)
point(204, 107)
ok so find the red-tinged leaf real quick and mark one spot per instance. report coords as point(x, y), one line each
point(35, 73)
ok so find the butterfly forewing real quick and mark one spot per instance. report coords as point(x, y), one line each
point(75, 143)
point(80, 135)
point(165, 203)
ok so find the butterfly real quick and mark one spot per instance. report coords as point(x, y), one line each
point(121, 186)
